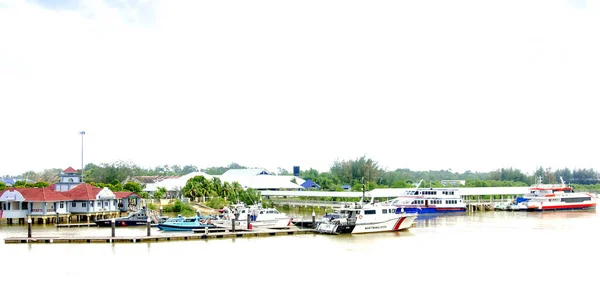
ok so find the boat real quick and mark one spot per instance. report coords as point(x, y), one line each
point(502, 205)
point(259, 216)
point(356, 218)
point(136, 218)
point(180, 223)
point(543, 197)
point(430, 200)
point(306, 223)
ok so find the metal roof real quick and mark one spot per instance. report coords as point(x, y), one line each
point(395, 192)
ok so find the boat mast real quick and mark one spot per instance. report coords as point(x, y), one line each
point(363, 190)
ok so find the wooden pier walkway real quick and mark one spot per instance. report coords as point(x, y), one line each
point(198, 235)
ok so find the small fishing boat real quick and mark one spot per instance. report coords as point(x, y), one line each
point(133, 219)
point(185, 223)
point(260, 217)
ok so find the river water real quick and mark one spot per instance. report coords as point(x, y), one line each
point(465, 247)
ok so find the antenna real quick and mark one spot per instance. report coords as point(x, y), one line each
point(419, 184)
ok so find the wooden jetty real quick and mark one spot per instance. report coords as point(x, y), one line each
point(200, 235)
point(69, 225)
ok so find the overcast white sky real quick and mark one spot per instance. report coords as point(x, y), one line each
point(425, 85)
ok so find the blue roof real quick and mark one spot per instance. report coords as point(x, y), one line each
point(310, 184)
point(8, 181)
point(12, 181)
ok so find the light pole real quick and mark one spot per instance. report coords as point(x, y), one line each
point(82, 133)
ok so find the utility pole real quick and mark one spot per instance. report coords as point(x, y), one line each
point(82, 133)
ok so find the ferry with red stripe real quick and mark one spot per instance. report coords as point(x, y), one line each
point(558, 197)
point(356, 218)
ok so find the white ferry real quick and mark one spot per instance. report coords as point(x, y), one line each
point(430, 200)
point(371, 217)
point(557, 197)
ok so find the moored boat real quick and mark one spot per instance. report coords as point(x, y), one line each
point(133, 219)
point(430, 200)
point(558, 197)
point(186, 223)
point(355, 218)
point(260, 217)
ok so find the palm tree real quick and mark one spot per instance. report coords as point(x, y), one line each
point(227, 190)
point(237, 189)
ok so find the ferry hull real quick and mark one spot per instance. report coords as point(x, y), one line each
point(428, 210)
point(587, 206)
point(168, 227)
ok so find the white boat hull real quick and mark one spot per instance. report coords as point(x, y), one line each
point(394, 224)
point(243, 224)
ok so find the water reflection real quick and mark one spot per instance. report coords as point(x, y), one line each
point(451, 244)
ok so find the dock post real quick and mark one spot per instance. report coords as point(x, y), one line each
point(28, 227)
point(148, 226)
point(232, 225)
point(161, 210)
point(198, 212)
point(205, 230)
point(248, 225)
point(314, 222)
point(57, 218)
point(112, 227)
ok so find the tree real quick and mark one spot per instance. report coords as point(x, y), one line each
point(132, 187)
point(282, 171)
point(41, 185)
point(160, 193)
point(249, 196)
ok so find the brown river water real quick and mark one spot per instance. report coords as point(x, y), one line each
point(493, 246)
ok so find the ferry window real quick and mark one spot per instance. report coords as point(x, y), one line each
point(370, 212)
point(384, 211)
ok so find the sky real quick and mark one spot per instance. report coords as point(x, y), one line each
point(424, 85)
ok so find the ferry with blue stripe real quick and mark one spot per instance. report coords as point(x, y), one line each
point(430, 200)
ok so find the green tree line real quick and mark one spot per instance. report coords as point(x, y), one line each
point(342, 172)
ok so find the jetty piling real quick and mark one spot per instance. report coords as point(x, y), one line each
point(314, 221)
point(28, 227)
point(161, 211)
point(112, 227)
point(248, 225)
point(148, 226)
